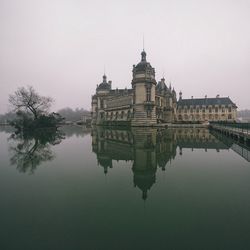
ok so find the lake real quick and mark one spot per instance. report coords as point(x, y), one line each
point(82, 188)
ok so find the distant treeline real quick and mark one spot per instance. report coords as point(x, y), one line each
point(68, 113)
point(9, 116)
point(245, 114)
point(73, 115)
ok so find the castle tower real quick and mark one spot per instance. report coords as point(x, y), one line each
point(99, 102)
point(143, 84)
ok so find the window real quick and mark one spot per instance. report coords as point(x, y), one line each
point(148, 93)
point(102, 104)
point(216, 109)
point(229, 110)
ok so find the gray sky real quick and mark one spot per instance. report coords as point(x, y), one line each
point(61, 46)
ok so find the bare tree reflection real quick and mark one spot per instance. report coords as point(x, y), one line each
point(28, 150)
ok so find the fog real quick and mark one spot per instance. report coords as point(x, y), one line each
point(62, 46)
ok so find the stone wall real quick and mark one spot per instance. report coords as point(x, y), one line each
point(119, 101)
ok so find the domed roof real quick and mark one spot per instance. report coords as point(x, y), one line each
point(104, 85)
point(143, 64)
point(144, 180)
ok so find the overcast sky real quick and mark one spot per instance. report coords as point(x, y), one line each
point(61, 46)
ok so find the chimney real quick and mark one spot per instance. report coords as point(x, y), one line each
point(205, 96)
point(218, 96)
point(192, 97)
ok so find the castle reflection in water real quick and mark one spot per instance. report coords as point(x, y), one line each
point(148, 149)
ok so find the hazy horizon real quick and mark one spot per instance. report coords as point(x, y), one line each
point(62, 47)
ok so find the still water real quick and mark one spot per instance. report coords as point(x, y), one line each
point(85, 188)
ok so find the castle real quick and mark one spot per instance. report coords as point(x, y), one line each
point(149, 103)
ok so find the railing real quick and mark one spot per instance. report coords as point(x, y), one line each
point(237, 127)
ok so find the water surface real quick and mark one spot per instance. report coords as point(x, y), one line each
point(118, 189)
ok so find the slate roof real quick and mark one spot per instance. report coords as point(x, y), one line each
point(161, 86)
point(104, 86)
point(206, 101)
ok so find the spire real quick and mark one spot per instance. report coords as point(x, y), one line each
point(144, 195)
point(143, 53)
point(104, 78)
point(143, 42)
point(143, 56)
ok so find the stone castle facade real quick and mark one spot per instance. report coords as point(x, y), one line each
point(148, 103)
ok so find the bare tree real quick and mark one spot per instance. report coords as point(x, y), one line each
point(28, 100)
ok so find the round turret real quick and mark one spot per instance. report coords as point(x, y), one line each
point(143, 70)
